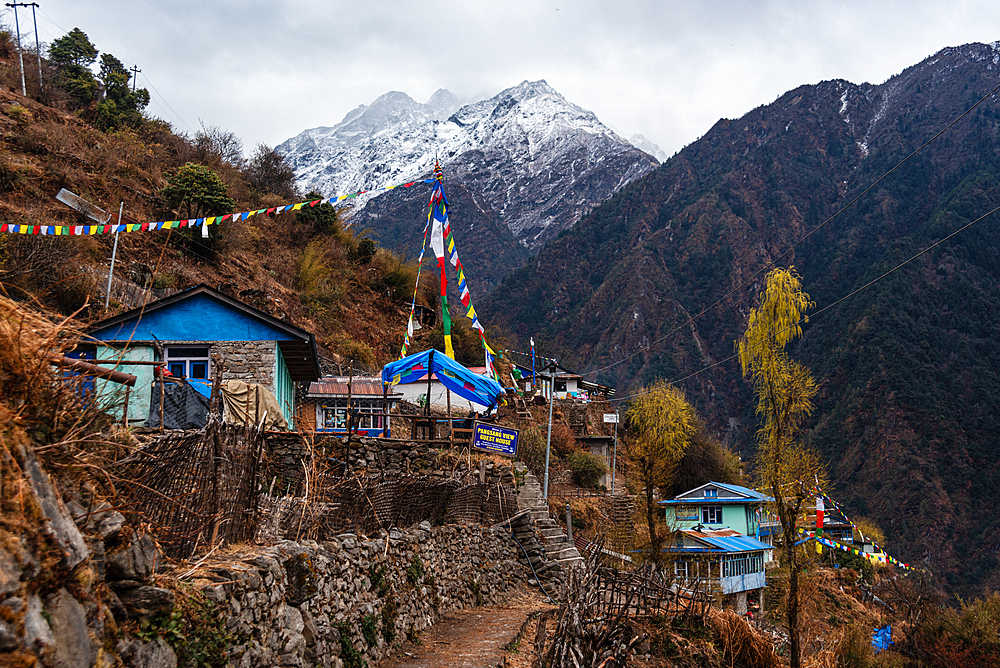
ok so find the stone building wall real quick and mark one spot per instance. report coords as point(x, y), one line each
point(249, 361)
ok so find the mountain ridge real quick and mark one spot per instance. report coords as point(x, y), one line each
point(530, 164)
point(895, 370)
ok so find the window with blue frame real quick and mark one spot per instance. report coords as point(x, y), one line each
point(711, 492)
point(711, 514)
point(368, 414)
point(188, 361)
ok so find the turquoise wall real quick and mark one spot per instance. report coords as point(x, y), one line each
point(740, 517)
point(111, 396)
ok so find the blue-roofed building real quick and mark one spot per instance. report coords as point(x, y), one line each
point(186, 332)
point(722, 562)
point(724, 539)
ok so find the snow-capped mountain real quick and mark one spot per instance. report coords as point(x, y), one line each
point(643, 144)
point(527, 157)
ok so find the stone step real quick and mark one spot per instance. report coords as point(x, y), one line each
point(553, 532)
point(562, 555)
point(569, 563)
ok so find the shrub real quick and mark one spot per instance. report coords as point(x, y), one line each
point(389, 610)
point(966, 637)
point(366, 250)
point(587, 468)
point(19, 114)
point(855, 650)
point(369, 629)
point(531, 449)
point(415, 571)
point(563, 440)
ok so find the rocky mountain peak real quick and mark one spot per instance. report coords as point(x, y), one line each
point(536, 161)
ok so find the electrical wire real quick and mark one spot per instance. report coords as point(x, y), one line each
point(160, 95)
point(835, 303)
point(771, 263)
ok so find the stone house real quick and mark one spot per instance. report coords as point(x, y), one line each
point(184, 333)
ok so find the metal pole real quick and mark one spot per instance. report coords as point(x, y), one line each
point(38, 47)
point(135, 75)
point(114, 251)
point(548, 440)
point(20, 55)
point(614, 457)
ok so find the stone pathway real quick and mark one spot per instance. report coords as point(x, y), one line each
point(474, 637)
point(557, 544)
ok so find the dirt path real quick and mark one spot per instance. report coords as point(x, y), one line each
point(474, 637)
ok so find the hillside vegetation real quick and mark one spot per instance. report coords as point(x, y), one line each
point(304, 267)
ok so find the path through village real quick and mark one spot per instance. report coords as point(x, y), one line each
point(476, 637)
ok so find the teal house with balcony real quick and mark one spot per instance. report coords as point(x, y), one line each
point(718, 546)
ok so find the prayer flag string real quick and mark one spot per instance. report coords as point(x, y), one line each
point(87, 230)
point(880, 556)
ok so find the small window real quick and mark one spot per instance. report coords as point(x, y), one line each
point(711, 514)
point(681, 569)
point(711, 491)
point(367, 414)
point(187, 361)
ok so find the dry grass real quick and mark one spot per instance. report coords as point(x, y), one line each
point(741, 644)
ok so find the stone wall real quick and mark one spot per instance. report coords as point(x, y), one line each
point(308, 604)
point(249, 361)
point(286, 452)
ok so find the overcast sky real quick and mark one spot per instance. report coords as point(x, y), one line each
point(668, 70)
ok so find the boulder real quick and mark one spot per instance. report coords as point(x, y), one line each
point(145, 601)
point(137, 561)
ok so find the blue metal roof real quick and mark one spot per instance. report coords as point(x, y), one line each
point(734, 543)
point(740, 495)
point(744, 490)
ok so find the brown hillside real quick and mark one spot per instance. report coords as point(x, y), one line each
point(355, 303)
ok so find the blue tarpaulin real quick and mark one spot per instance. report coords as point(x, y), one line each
point(882, 638)
point(478, 389)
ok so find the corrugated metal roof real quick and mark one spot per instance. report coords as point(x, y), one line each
point(728, 542)
point(337, 386)
point(744, 490)
point(740, 495)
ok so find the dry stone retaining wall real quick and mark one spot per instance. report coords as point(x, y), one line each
point(294, 602)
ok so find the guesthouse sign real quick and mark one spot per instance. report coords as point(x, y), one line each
point(502, 440)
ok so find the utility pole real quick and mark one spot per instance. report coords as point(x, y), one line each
point(548, 440)
point(111, 271)
point(38, 46)
point(135, 75)
point(20, 54)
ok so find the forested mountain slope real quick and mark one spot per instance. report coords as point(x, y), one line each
point(907, 415)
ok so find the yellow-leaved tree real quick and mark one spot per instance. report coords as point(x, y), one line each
point(660, 424)
point(785, 391)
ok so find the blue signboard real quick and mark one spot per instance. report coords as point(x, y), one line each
point(490, 437)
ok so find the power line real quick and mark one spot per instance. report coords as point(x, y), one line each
point(176, 115)
point(831, 305)
point(770, 263)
